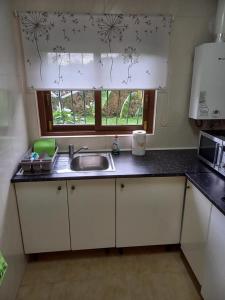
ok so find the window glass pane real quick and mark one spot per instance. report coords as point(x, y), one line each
point(73, 107)
point(122, 107)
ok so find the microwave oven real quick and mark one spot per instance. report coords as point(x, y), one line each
point(211, 149)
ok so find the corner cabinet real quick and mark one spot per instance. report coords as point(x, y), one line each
point(213, 287)
point(43, 212)
point(149, 210)
point(194, 236)
point(92, 213)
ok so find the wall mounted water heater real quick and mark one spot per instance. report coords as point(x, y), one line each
point(208, 80)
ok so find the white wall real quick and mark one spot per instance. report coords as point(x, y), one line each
point(13, 142)
point(191, 23)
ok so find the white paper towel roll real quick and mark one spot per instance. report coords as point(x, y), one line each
point(138, 142)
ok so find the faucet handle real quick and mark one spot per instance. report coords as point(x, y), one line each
point(71, 150)
point(71, 147)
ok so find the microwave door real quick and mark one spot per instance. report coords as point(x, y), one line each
point(208, 150)
point(221, 159)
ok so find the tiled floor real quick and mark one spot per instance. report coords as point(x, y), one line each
point(138, 274)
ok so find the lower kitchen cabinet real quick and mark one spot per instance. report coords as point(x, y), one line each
point(149, 210)
point(92, 213)
point(43, 211)
point(213, 287)
point(195, 229)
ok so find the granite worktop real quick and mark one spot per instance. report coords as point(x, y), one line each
point(154, 163)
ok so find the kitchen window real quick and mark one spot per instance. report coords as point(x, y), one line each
point(86, 112)
point(95, 73)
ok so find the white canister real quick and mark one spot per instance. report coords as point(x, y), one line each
point(138, 142)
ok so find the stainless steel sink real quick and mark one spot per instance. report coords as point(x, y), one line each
point(86, 162)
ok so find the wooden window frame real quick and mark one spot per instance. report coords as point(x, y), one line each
point(48, 129)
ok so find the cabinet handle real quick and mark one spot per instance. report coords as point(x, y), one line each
point(188, 187)
point(122, 186)
point(59, 188)
point(72, 187)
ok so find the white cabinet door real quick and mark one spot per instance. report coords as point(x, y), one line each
point(43, 211)
point(213, 287)
point(195, 229)
point(149, 210)
point(92, 213)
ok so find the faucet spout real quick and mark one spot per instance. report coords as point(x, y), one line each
point(72, 152)
point(81, 148)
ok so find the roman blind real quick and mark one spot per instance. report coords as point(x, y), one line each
point(71, 51)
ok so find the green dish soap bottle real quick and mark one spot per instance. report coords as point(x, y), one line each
point(115, 146)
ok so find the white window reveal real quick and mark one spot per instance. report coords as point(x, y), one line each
point(69, 51)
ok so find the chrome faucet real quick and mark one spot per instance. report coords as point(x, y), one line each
point(72, 152)
point(81, 148)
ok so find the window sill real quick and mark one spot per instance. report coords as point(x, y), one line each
point(90, 136)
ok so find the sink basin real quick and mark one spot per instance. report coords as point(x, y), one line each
point(86, 162)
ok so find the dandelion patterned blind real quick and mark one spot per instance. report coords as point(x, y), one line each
point(70, 51)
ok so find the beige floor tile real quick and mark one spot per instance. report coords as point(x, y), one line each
point(139, 288)
point(172, 287)
point(93, 289)
point(75, 290)
point(161, 262)
point(85, 269)
point(137, 275)
point(115, 288)
point(35, 292)
point(159, 286)
point(44, 272)
point(119, 265)
point(98, 267)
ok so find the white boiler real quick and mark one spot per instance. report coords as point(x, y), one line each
point(208, 82)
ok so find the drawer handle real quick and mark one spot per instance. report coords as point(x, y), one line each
point(122, 186)
point(59, 188)
point(72, 187)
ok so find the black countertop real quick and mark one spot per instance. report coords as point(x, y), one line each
point(154, 163)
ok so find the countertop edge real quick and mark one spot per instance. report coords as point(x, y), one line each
point(84, 177)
